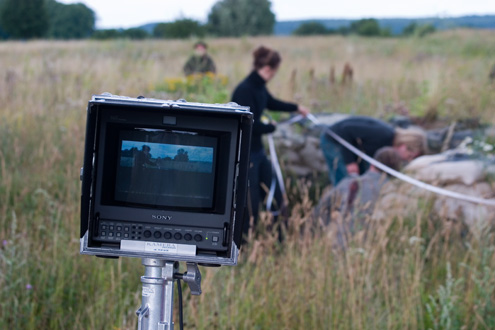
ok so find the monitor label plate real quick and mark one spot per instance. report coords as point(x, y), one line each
point(158, 247)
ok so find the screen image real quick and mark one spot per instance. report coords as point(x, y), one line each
point(169, 169)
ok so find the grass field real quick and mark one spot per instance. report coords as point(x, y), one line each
point(415, 272)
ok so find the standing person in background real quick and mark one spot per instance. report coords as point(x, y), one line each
point(252, 92)
point(200, 62)
point(368, 135)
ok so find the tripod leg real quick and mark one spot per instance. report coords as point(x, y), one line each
point(168, 307)
point(156, 309)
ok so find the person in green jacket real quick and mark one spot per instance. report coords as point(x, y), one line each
point(200, 62)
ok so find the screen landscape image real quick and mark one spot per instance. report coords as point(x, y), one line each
point(167, 156)
point(163, 174)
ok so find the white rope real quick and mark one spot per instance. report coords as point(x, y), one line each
point(394, 173)
point(278, 175)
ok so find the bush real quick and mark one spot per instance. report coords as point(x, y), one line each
point(135, 33)
point(414, 29)
point(368, 27)
point(106, 34)
point(180, 29)
point(208, 87)
point(312, 28)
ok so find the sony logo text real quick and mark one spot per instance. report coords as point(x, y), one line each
point(161, 217)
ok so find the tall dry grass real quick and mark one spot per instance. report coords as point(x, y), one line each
point(415, 272)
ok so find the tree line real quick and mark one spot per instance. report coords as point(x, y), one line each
point(28, 19)
point(368, 27)
point(227, 18)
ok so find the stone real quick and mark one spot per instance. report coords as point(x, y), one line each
point(447, 168)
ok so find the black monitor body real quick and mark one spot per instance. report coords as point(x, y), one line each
point(165, 179)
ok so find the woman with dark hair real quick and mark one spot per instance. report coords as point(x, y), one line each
point(252, 92)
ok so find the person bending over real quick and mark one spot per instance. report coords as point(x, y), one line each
point(367, 134)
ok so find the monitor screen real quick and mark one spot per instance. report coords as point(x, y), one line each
point(171, 169)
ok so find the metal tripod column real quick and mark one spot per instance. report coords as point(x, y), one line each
point(157, 305)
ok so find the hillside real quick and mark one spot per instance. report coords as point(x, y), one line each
point(396, 25)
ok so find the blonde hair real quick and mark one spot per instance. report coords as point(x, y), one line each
point(414, 138)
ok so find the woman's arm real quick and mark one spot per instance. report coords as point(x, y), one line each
point(278, 105)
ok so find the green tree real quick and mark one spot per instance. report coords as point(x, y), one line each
point(180, 29)
point(311, 28)
point(241, 17)
point(24, 19)
point(367, 27)
point(73, 21)
point(3, 34)
point(135, 33)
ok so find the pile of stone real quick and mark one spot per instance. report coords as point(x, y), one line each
point(298, 145)
point(456, 169)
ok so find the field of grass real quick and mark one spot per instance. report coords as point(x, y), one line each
point(409, 273)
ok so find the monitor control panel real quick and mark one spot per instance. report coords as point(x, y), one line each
point(110, 231)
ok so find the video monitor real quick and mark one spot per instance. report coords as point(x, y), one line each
point(165, 179)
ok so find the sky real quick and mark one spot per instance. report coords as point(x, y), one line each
point(202, 154)
point(133, 13)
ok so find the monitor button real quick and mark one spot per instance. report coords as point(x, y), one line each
point(198, 238)
point(147, 233)
point(178, 236)
point(167, 235)
point(215, 238)
point(157, 234)
point(188, 237)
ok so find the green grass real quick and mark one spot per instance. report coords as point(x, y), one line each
point(411, 273)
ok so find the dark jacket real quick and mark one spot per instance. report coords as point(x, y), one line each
point(252, 92)
point(365, 133)
point(199, 64)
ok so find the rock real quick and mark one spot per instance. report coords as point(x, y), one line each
point(466, 172)
point(469, 213)
point(465, 176)
point(450, 167)
point(399, 199)
point(298, 145)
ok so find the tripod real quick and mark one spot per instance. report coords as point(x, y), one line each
point(157, 305)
